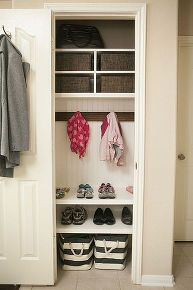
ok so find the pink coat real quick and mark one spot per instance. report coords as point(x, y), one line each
point(111, 146)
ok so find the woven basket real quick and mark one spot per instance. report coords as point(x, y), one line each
point(118, 61)
point(73, 61)
point(118, 84)
point(73, 84)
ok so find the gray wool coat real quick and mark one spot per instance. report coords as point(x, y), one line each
point(14, 124)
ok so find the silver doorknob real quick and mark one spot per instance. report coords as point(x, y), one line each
point(181, 156)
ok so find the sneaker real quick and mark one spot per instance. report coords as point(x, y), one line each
point(109, 190)
point(81, 191)
point(88, 191)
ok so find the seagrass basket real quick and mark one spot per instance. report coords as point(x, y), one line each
point(117, 61)
point(117, 83)
point(74, 61)
point(73, 84)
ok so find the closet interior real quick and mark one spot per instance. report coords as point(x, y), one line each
point(94, 81)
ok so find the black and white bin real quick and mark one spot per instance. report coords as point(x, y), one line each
point(110, 251)
point(76, 251)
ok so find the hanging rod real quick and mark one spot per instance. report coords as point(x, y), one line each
point(95, 116)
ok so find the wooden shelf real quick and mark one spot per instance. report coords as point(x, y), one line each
point(123, 197)
point(90, 228)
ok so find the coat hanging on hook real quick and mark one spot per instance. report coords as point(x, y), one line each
point(14, 126)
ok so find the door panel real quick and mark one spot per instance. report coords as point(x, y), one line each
point(184, 170)
point(26, 201)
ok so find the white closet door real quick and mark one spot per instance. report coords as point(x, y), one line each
point(26, 201)
point(184, 165)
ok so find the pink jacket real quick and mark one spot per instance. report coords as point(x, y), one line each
point(111, 146)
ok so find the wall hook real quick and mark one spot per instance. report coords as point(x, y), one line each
point(6, 33)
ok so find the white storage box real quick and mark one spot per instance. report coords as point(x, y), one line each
point(110, 251)
point(76, 251)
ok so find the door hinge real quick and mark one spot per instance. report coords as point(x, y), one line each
point(136, 165)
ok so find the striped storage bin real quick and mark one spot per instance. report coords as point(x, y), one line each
point(110, 251)
point(76, 251)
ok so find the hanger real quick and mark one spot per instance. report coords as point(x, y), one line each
point(8, 34)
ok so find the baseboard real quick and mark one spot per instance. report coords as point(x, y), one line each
point(158, 280)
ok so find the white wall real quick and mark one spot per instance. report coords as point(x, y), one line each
point(160, 143)
point(72, 171)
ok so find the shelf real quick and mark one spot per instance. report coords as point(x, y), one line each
point(95, 95)
point(74, 72)
point(90, 228)
point(115, 72)
point(123, 197)
point(92, 72)
point(92, 49)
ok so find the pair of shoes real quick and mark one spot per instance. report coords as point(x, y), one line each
point(61, 191)
point(127, 217)
point(106, 191)
point(85, 191)
point(105, 217)
point(76, 215)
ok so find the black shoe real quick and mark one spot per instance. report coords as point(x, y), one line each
point(109, 217)
point(127, 217)
point(98, 217)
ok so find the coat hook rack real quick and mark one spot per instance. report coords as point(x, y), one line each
point(95, 116)
point(8, 34)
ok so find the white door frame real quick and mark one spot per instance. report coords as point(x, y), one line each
point(135, 11)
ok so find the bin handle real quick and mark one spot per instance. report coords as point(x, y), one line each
point(73, 251)
point(111, 249)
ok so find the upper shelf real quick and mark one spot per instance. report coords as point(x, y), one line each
point(92, 49)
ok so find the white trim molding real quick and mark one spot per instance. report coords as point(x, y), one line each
point(158, 280)
point(137, 12)
point(93, 8)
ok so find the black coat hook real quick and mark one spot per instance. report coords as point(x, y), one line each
point(7, 34)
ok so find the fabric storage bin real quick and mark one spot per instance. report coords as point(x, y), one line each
point(117, 61)
point(110, 251)
point(76, 251)
point(73, 84)
point(74, 61)
point(117, 83)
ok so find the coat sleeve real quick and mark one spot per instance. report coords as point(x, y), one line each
point(17, 104)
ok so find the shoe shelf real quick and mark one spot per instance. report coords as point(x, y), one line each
point(90, 228)
point(123, 197)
